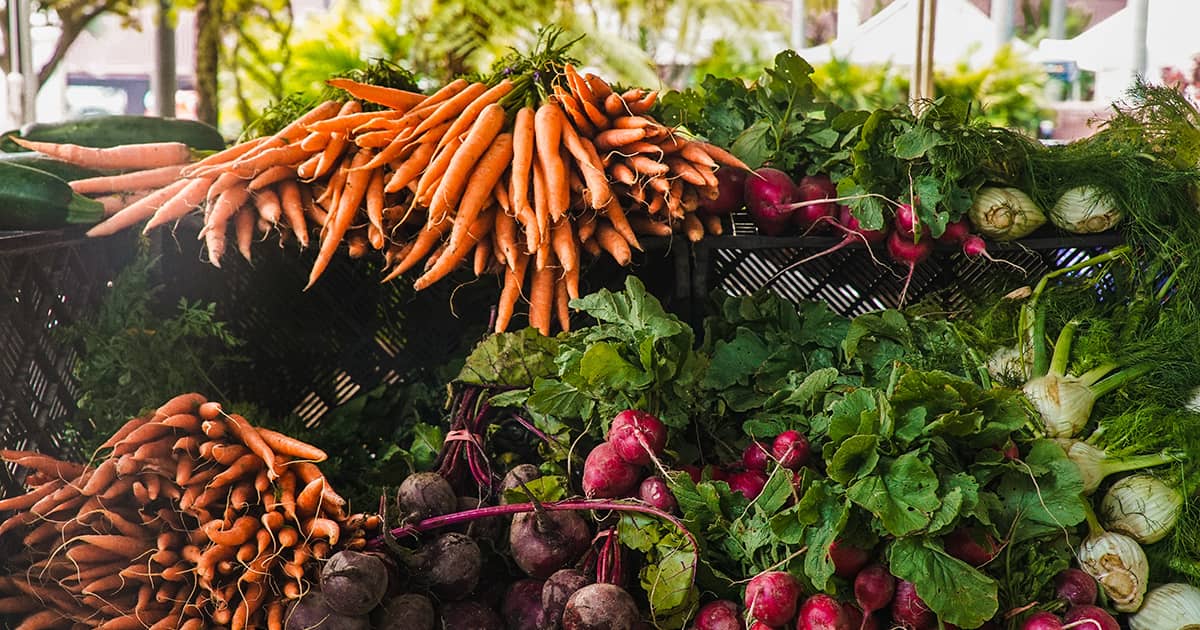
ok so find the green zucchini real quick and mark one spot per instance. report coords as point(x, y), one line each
point(110, 131)
point(35, 200)
point(42, 162)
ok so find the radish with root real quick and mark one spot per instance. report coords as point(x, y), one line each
point(772, 597)
point(1089, 617)
point(769, 194)
point(719, 615)
point(731, 192)
point(449, 566)
point(425, 495)
point(847, 559)
point(749, 483)
point(1042, 621)
point(655, 492)
point(1076, 586)
point(410, 611)
point(848, 224)
point(971, 545)
point(607, 476)
point(637, 437)
point(909, 610)
point(555, 593)
point(756, 456)
point(544, 542)
point(791, 449)
point(908, 253)
point(973, 245)
point(600, 607)
point(353, 582)
point(874, 588)
point(822, 612)
point(814, 188)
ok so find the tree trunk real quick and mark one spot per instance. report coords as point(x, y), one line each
point(208, 48)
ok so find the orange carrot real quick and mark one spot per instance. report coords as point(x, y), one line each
point(722, 157)
point(478, 140)
point(464, 120)
point(479, 185)
point(614, 243)
point(451, 107)
point(641, 105)
point(137, 180)
point(249, 435)
point(505, 235)
point(295, 130)
point(322, 528)
point(616, 216)
point(611, 139)
point(343, 215)
point(374, 198)
point(290, 155)
point(541, 206)
point(25, 501)
point(562, 238)
point(347, 122)
point(692, 227)
point(411, 167)
point(244, 229)
point(562, 309)
point(223, 157)
point(426, 240)
point(121, 546)
point(428, 182)
point(271, 176)
point(239, 532)
point(388, 97)
point(693, 152)
point(122, 157)
point(541, 299)
point(43, 463)
point(548, 124)
point(589, 165)
point(291, 447)
point(456, 251)
point(523, 147)
point(137, 211)
point(267, 204)
point(293, 210)
point(647, 166)
point(573, 111)
point(483, 256)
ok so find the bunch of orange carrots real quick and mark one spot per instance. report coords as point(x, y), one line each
point(462, 176)
point(194, 519)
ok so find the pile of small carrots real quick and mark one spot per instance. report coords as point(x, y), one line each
point(194, 518)
point(466, 175)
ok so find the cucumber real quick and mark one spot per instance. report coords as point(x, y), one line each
point(58, 168)
point(35, 200)
point(110, 131)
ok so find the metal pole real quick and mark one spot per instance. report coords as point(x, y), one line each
point(1058, 19)
point(22, 79)
point(930, 31)
point(163, 78)
point(916, 80)
point(1139, 9)
point(798, 26)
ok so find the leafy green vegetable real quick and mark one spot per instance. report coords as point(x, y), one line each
point(956, 591)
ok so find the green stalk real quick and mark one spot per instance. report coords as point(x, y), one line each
point(1169, 282)
point(1120, 378)
point(1138, 462)
point(1062, 347)
point(1111, 254)
point(1093, 523)
point(1090, 377)
point(1041, 362)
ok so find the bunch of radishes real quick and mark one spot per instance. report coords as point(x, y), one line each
point(749, 475)
point(615, 468)
point(1078, 591)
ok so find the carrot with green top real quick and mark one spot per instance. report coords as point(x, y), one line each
point(463, 121)
point(392, 98)
point(343, 215)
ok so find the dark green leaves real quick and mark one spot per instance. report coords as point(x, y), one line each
point(903, 495)
point(953, 589)
point(512, 359)
point(1042, 495)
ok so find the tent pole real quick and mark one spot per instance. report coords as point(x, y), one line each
point(916, 81)
point(22, 80)
point(930, 31)
point(798, 26)
point(163, 78)
point(1139, 9)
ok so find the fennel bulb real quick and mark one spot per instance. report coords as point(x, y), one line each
point(1142, 507)
point(1005, 214)
point(1119, 565)
point(1085, 210)
point(1169, 607)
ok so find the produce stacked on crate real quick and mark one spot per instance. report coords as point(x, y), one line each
point(520, 174)
point(192, 518)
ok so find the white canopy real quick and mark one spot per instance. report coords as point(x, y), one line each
point(963, 33)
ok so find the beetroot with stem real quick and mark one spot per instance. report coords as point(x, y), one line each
point(463, 460)
point(874, 588)
point(1042, 621)
point(719, 615)
point(600, 607)
point(655, 492)
point(731, 191)
point(610, 564)
point(847, 559)
point(606, 475)
point(909, 610)
point(637, 437)
point(544, 542)
point(772, 597)
point(791, 449)
point(817, 188)
point(1076, 586)
point(769, 193)
point(522, 603)
point(312, 612)
point(1089, 617)
point(822, 612)
point(424, 495)
point(906, 252)
point(516, 476)
point(748, 482)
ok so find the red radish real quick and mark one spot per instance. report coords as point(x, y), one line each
point(716, 473)
point(655, 492)
point(814, 188)
point(850, 223)
point(772, 597)
point(909, 253)
point(755, 457)
point(769, 194)
point(822, 612)
point(748, 482)
point(636, 436)
point(719, 615)
point(1010, 450)
point(1042, 621)
point(1089, 617)
point(874, 588)
point(790, 449)
point(848, 560)
point(731, 191)
point(758, 625)
point(909, 610)
point(1076, 586)
point(906, 221)
point(956, 232)
point(971, 545)
point(606, 475)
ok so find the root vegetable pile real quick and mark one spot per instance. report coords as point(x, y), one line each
point(194, 518)
point(520, 175)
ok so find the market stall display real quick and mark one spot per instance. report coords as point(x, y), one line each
point(1025, 459)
